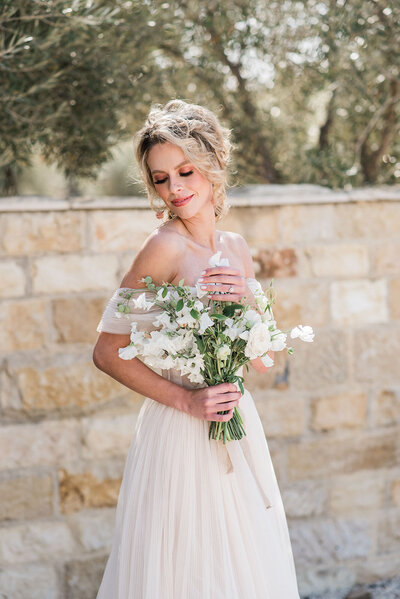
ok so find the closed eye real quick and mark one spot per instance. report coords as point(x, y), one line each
point(165, 178)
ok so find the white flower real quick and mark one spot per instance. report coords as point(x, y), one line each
point(223, 352)
point(259, 341)
point(305, 333)
point(278, 340)
point(163, 320)
point(128, 352)
point(204, 322)
point(251, 318)
point(231, 329)
point(186, 319)
point(142, 303)
point(200, 292)
point(267, 361)
point(216, 260)
point(160, 298)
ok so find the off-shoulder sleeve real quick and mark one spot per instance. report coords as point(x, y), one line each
point(113, 321)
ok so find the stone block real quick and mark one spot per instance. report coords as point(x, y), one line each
point(371, 220)
point(85, 490)
point(276, 377)
point(319, 364)
point(338, 260)
point(74, 273)
point(281, 417)
point(120, 230)
point(23, 325)
point(356, 492)
point(12, 279)
point(344, 410)
point(394, 298)
point(389, 531)
point(76, 318)
point(322, 579)
point(300, 303)
point(77, 384)
point(108, 435)
point(42, 232)
point(354, 303)
point(276, 263)
point(301, 223)
point(386, 408)
point(305, 498)
point(341, 455)
point(386, 258)
point(83, 577)
point(41, 444)
point(93, 528)
point(41, 541)
point(377, 351)
point(26, 497)
point(29, 581)
point(259, 226)
point(377, 568)
point(321, 541)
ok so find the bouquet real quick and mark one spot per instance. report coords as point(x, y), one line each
point(208, 342)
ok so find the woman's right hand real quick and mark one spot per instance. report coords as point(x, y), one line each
point(205, 403)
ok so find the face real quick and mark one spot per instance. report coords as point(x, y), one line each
point(183, 188)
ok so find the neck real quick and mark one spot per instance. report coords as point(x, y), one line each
point(202, 228)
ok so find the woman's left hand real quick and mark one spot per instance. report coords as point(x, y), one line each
point(226, 279)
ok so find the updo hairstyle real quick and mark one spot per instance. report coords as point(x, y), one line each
point(203, 140)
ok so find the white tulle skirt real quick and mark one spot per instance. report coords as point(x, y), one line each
point(197, 519)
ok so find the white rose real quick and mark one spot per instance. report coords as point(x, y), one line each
point(259, 341)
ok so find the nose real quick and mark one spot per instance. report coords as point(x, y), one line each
point(175, 184)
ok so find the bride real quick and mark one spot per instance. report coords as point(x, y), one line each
point(195, 519)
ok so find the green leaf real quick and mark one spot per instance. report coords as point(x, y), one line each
point(165, 291)
point(148, 280)
point(217, 316)
point(181, 282)
point(179, 305)
point(194, 314)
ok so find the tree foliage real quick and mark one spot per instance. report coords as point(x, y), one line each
point(310, 89)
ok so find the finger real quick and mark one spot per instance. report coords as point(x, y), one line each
point(223, 287)
point(227, 397)
point(224, 297)
point(222, 417)
point(224, 388)
point(222, 278)
point(224, 270)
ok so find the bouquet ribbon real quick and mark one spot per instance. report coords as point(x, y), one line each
point(245, 472)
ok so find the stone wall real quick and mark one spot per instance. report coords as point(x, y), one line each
point(331, 412)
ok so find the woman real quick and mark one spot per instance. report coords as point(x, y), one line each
point(195, 519)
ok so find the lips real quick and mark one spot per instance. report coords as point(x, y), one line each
point(182, 201)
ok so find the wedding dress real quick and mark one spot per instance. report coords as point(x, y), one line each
point(196, 519)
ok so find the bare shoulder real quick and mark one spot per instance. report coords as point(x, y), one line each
point(238, 245)
point(157, 258)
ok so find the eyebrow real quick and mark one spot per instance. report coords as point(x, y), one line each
point(177, 166)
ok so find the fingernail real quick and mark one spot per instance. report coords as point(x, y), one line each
point(203, 272)
point(200, 280)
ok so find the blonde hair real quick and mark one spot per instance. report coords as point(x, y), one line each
point(204, 141)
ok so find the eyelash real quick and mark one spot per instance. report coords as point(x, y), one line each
point(181, 174)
